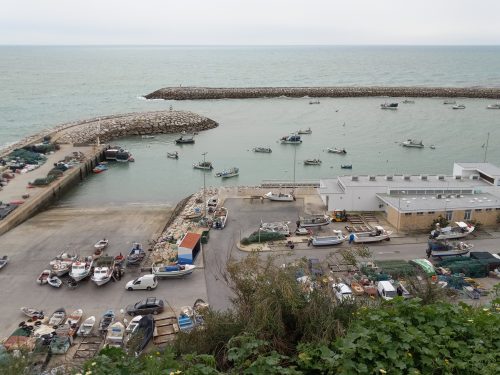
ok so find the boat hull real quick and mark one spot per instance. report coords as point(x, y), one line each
point(100, 282)
point(448, 253)
point(79, 277)
point(368, 239)
point(279, 197)
point(327, 241)
point(157, 271)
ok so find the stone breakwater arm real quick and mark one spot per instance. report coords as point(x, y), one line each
point(191, 93)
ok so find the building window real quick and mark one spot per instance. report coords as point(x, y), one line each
point(449, 215)
point(420, 213)
point(478, 210)
point(467, 214)
point(407, 213)
point(431, 212)
point(489, 209)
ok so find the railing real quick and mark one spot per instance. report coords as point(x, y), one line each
point(289, 184)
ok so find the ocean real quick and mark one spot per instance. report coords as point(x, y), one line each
point(41, 87)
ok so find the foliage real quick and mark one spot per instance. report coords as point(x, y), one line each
point(441, 221)
point(477, 224)
point(261, 236)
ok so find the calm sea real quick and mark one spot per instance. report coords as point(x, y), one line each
point(42, 87)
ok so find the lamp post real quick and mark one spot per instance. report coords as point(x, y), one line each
point(204, 201)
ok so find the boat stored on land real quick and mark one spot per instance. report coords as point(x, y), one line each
point(377, 234)
point(175, 270)
point(102, 244)
point(232, 172)
point(312, 162)
point(107, 319)
point(313, 221)
point(334, 150)
point(293, 139)
point(44, 277)
point(81, 268)
point(114, 338)
point(32, 313)
point(205, 165)
point(136, 254)
point(103, 271)
point(184, 140)
point(54, 281)
point(87, 326)
point(265, 150)
point(220, 218)
point(185, 322)
point(304, 131)
point(173, 155)
point(459, 230)
point(389, 106)
point(413, 143)
point(60, 267)
point(3, 261)
point(337, 238)
point(58, 317)
point(279, 197)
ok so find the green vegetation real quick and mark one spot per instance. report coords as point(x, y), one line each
point(280, 326)
point(261, 236)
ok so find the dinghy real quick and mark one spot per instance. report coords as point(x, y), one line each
point(86, 327)
point(32, 313)
point(102, 244)
point(54, 281)
point(44, 277)
point(58, 317)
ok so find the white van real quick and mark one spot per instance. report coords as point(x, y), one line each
point(386, 290)
point(143, 282)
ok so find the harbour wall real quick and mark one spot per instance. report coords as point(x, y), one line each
point(197, 93)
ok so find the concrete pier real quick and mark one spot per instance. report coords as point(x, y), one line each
point(197, 93)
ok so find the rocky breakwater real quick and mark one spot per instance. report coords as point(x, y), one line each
point(192, 93)
point(113, 127)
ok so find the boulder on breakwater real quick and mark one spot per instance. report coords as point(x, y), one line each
point(111, 127)
point(192, 93)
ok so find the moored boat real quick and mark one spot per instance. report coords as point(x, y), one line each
point(412, 143)
point(408, 101)
point(449, 101)
point(293, 139)
point(336, 239)
point(80, 269)
point(147, 136)
point(204, 165)
point(184, 140)
point(346, 166)
point(87, 327)
point(304, 131)
point(265, 150)
point(173, 155)
point(459, 230)
point(220, 218)
point(389, 106)
point(232, 172)
point(493, 106)
point(458, 106)
point(101, 167)
point(334, 150)
point(376, 235)
point(175, 270)
point(313, 221)
point(279, 197)
point(312, 162)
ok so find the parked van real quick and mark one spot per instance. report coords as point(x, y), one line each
point(147, 282)
point(386, 290)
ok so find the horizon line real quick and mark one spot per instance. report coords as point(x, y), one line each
point(241, 45)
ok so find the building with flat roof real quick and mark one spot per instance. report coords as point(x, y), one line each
point(472, 192)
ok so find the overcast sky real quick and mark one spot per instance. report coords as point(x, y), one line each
point(241, 22)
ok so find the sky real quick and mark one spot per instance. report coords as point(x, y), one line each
point(250, 22)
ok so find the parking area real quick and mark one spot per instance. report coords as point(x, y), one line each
point(32, 245)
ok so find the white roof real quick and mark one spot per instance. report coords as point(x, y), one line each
point(486, 168)
point(414, 181)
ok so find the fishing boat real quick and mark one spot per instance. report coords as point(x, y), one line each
point(107, 319)
point(101, 167)
point(66, 257)
point(44, 277)
point(116, 333)
point(449, 101)
point(389, 106)
point(458, 106)
point(3, 261)
point(81, 268)
point(494, 106)
point(265, 150)
point(147, 136)
point(175, 270)
point(54, 281)
point(124, 156)
point(75, 317)
point(312, 162)
point(58, 317)
point(407, 101)
point(336, 239)
point(86, 327)
point(313, 221)
point(136, 254)
point(184, 140)
point(439, 249)
point(346, 166)
point(70, 327)
point(60, 267)
point(279, 197)
point(101, 244)
point(173, 155)
point(376, 235)
point(412, 143)
point(103, 271)
point(459, 230)
point(314, 102)
point(32, 313)
point(304, 131)
point(334, 150)
point(220, 218)
point(232, 172)
point(291, 139)
point(119, 259)
point(280, 227)
point(204, 165)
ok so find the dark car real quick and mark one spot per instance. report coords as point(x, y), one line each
point(151, 305)
point(315, 267)
point(141, 335)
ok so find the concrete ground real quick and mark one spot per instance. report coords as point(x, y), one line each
point(31, 246)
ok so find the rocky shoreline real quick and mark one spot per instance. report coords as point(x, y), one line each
point(196, 93)
point(116, 126)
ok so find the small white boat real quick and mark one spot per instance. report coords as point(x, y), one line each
point(102, 244)
point(103, 271)
point(314, 221)
point(133, 324)
point(3, 261)
point(449, 253)
point(314, 102)
point(176, 270)
point(392, 106)
point(450, 101)
point(57, 318)
point(312, 162)
point(494, 106)
point(334, 150)
point(116, 333)
point(336, 239)
point(204, 165)
point(44, 277)
point(232, 172)
point(147, 136)
point(220, 218)
point(184, 140)
point(376, 235)
point(32, 313)
point(81, 269)
point(408, 101)
point(86, 327)
point(460, 230)
point(173, 155)
point(75, 317)
point(279, 197)
point(54, 281)
point(458, 106)
point(265, 150)
point(304, 131)
point(293, 139)
point(280, 227)
point(412, 143)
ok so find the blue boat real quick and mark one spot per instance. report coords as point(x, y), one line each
point(136, 254)
point(186, 323)
point(291, 139)
point(101, 167)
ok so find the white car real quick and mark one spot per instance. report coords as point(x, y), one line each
point(342, 292)
point(147, 282)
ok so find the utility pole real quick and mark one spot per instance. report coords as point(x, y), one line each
point(294, 162)
point(486, 148)
point(204, 200)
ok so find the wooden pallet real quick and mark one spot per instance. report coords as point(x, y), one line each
point(88, 347)
point(166, 328)
point(370, 217)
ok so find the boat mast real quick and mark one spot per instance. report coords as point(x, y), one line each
point(486, 148)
